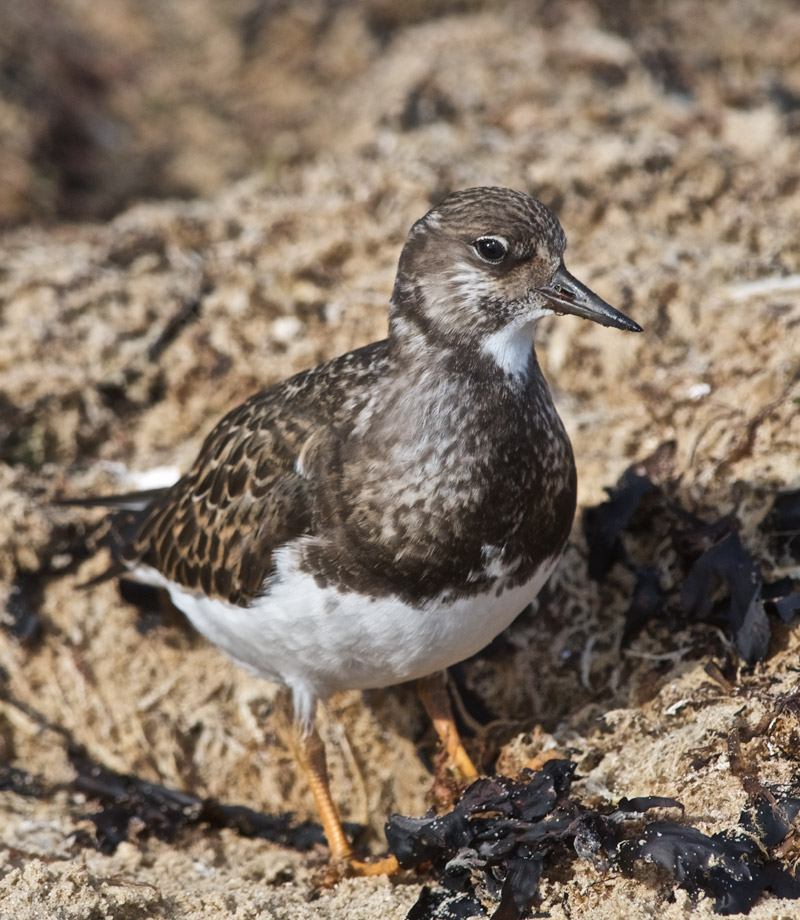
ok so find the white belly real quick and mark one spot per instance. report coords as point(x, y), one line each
point(318, 640)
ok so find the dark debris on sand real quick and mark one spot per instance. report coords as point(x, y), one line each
point(127, 802)
point(718, 579)
point(493, 847)
point(126, 807)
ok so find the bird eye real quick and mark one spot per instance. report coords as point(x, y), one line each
point(491, 248)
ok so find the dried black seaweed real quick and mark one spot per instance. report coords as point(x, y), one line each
point(729, 565)
point(768, 819)
point(496, 843)
point(504, 833)
point(783, 524)
point(605, 523)
point(23, 619)
point(128, 802)
point(720, 579)
point(730, 866)
point(719, 866)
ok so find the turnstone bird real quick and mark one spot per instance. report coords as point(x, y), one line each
point(386, 514)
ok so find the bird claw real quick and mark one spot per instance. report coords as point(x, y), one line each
point(347, 866)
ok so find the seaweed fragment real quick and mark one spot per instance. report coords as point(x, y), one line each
point(719, 866)
point(19, 781)
point(438, 904)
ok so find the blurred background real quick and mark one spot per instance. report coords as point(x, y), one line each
point(104, 104)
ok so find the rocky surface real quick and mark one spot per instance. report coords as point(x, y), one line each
point(669, 145)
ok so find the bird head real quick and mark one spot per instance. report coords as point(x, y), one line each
point(485, 265)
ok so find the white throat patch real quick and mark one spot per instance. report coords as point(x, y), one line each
point(510, 348)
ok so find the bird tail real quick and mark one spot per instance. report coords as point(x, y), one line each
point(129, 501)
point(123, 522)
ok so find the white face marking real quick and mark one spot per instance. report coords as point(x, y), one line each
point(463, 285)
point(471, 285)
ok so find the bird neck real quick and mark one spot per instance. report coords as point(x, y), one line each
point(471, 347)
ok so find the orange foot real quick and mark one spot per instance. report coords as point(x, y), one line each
point(386, 865)
point(347, 866)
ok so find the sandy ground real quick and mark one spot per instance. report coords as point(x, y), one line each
point(669, 145)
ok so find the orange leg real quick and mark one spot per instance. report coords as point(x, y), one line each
point(433, 693)
point(311, 754)
point(312, 759)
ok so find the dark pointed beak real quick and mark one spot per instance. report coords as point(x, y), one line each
point(570, 296)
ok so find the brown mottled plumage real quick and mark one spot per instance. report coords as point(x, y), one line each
point(216, 528)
